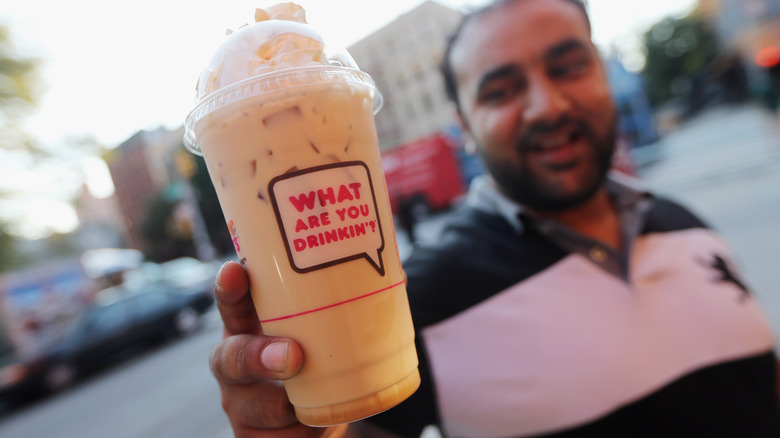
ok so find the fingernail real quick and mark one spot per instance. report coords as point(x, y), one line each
point(218, 283)
point(274, 356)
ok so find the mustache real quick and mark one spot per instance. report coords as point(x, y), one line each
point(543, 128)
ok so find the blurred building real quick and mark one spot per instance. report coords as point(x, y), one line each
point(140, 168)
point(403, 58)
point(100, 221)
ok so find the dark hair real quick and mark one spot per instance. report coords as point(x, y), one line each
point(445, 67)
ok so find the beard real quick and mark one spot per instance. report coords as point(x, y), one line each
point(532, 189)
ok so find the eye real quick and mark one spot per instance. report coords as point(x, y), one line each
point(499, 91)
point(570, 66)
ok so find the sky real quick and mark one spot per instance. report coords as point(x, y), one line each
point(111, 69)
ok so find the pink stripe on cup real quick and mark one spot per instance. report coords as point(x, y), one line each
point(333, 305)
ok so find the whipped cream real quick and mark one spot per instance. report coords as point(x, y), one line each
point(279, 39)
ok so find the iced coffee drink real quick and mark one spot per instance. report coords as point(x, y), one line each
point(289, 140)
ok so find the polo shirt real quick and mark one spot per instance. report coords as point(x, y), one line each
point(524, 330)
point(631, 200)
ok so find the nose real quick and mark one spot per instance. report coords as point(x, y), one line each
point(545, 101)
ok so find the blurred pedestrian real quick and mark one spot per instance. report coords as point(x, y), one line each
point(730, 71)
point(768, 59)
point(773, 92)
point(560, 300)
point(407, 217)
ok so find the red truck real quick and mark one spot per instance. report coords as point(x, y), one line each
point(425, 173)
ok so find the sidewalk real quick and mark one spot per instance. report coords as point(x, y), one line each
point(721, 143)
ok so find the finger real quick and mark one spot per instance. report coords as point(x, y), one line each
point(234, 301)
point(294, 431)
point(260, 405)
point(245, 358)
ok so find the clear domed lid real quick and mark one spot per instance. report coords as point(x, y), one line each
point(279, 51)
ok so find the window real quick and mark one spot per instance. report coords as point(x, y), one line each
point(149, 303)
point(108, 318)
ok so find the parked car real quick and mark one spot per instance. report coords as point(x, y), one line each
point(187, 273)
point(19, 374)
point(121, 319)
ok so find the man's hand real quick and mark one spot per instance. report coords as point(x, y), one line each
point(250, 366)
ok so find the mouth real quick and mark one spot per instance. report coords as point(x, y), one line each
point(558, 150)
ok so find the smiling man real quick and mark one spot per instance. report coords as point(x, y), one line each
point(559, 300)
point(533, 94)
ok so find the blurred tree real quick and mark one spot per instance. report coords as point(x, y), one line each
point(63, 166)
point(209, 206)
point(10, 258)
point(167, 226)
point(61, 245)
point(678, 52)
point(84, 144)
point(164, 237)
point(20, 86)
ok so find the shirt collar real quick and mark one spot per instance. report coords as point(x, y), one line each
point(484, 195)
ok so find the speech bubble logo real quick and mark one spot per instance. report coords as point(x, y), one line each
point(328, 215)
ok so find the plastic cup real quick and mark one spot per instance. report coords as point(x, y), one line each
point(294, 157)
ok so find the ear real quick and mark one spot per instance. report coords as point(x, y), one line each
point(469, 144)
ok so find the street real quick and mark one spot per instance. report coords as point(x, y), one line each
point(724, 165)
point(165, 392)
